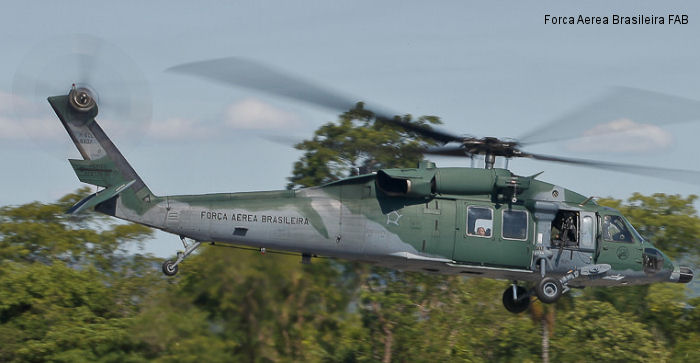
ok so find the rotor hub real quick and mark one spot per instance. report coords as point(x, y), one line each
point(81, 98)
point(491, 146)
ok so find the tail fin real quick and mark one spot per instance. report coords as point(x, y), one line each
point(102, 165)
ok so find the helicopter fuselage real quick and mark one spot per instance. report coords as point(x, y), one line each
point(492, 232)
point(473, 222)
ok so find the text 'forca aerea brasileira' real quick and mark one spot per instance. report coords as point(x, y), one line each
point(615, 19)
point(243, 217)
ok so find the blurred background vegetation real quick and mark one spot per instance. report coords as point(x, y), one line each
point(75, 289)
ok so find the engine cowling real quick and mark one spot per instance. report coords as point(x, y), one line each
point(412, 183)
point(425, 183)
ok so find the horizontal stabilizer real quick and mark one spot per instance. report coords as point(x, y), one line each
point(101, 172)
point(99, 197)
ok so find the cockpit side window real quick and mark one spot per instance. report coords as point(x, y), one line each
point(615, 229)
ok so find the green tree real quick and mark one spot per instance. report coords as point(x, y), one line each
point(67, 290)
point(687, 347)
point(266, 308)
point(597, 332)
point(357, 141)
point(38, 232)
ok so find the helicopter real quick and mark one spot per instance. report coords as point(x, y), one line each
point(480, 222)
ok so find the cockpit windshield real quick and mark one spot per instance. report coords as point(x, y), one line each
point(634, 231)
point(616, 229)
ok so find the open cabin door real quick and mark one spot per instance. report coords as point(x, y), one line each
point(587, 236)
point(574, 237)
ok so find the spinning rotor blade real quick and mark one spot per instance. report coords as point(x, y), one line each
point(686, 176)
point(88, 52)
point(250, 74)
point(428, 132)
point(622, 110)
point(447, 151)
point(53, 66)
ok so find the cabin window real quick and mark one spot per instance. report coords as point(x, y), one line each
point(514, 224)
point(479, 221)
point(614, 229)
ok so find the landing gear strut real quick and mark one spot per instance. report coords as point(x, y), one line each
point(549, 289)
point(516, 299)
point(169, 267)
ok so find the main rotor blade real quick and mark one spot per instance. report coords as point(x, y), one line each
point(621, 104)
point(686, 176)
point(425, 131)
point(250, 74)
point(447, 151)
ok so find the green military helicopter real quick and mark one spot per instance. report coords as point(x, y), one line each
point(485, 222)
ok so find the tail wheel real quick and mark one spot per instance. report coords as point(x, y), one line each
point(169, 268)
point(513, 305)
point(549, 290)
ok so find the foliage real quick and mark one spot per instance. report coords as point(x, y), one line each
point(356, 141)
point(600, 333)
point(42, 232)
point(60, 299)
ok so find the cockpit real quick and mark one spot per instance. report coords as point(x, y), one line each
point(618, 229)
point(615, 229)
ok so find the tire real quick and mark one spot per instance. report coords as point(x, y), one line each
point(513, 306)
point(169, 268)
point(549, 290)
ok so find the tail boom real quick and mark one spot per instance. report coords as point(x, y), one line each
point(125, 195)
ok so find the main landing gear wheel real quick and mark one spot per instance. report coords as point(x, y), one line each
point(170, 268)
point(516, 303)
point(549, 290)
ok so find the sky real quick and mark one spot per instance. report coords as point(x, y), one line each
point(487, 68)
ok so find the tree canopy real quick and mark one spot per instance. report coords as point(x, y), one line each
point(356, 141)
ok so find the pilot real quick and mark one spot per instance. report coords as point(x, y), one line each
point(606, 228)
